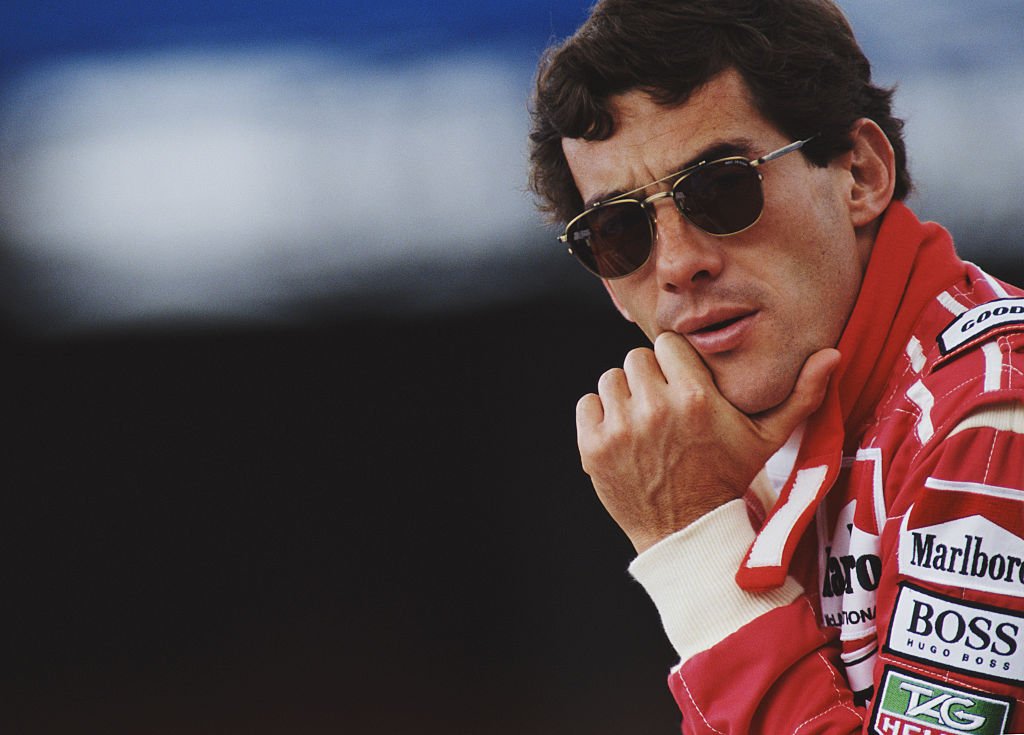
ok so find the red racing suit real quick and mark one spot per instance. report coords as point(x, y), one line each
point(873, 578)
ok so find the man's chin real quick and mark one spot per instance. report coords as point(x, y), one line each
point(753, 397)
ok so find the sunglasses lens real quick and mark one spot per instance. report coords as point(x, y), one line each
point(721, 198)
point(615, 239)
point(612, 240)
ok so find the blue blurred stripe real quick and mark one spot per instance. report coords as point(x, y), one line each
point(30, 31)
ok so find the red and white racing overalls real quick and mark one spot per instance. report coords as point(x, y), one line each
point(873, 578)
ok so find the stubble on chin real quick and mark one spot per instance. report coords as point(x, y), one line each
point(753, 393)
point(754, 388)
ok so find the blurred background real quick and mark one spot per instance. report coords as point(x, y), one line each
point(294, 360)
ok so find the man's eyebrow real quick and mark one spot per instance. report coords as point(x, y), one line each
point(713, 152)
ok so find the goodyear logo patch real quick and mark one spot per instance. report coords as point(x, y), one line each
point(914, 705)
point(979, 321)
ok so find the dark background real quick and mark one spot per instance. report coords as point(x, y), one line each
point(359, 526)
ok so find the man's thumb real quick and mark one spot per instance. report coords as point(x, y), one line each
point(808, 393)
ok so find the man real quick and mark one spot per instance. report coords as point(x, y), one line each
point(821, 460)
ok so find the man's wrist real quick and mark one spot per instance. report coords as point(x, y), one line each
point(695, 511)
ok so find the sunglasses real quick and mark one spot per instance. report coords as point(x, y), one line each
point(615, 237)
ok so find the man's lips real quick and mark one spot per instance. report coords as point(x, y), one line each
point(718, 331)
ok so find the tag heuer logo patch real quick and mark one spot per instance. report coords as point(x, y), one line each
point(981, 320)
point(914, 704)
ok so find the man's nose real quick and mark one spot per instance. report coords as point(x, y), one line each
point(684, 255)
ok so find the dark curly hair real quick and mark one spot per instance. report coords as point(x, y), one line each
point(799, 58)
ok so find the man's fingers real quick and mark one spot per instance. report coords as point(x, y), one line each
point(608, 403)
point(644, 375)
point(778, 423)
point(678, 360)
point(589, 411)
point(613, 387)
point(589, 414)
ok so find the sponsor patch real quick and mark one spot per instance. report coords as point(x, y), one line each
point(970, 552)
point(980, 321)
point(916, 705)
point(953, 634)
point(849, 568)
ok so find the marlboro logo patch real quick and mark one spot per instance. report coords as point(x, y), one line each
point(915, 704)
point(970, 552)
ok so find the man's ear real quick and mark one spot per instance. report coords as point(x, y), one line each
point(872, 166)
point(615, 300)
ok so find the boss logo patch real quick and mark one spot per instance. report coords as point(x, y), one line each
point(916, 705)
point(980, 321)
point(953, 634)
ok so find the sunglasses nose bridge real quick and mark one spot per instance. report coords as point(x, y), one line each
point(648, 203)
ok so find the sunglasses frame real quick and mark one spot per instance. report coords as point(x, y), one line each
point(670, 193)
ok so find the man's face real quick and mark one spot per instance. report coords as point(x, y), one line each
point(754, 305)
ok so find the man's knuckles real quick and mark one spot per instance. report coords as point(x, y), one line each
point(602, 452)
point(653, 413)
point(695, 397)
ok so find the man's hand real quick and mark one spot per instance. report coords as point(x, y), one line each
point(664, 447)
